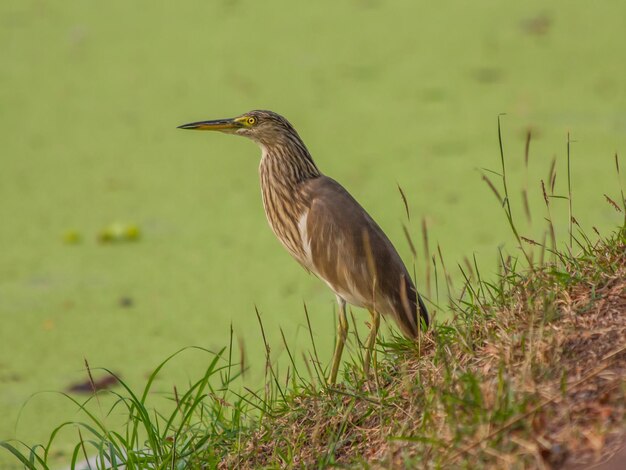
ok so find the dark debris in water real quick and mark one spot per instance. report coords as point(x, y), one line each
point(126, 302)
point(538, 25)
point(88, 386)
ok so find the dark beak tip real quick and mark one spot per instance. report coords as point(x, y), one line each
point(215, 125)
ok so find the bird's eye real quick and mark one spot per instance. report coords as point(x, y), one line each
point(251, 121)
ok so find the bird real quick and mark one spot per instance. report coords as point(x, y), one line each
point(327, 231)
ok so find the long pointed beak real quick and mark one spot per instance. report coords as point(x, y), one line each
point(216, 125)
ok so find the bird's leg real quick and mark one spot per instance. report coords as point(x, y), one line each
point(371, 341)
point(342, 333)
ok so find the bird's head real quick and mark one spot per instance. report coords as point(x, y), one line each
point(267, 128)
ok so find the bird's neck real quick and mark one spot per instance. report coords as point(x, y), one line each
point(283, 170)
point(287, 162)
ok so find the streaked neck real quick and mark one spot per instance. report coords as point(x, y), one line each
point(289, 160)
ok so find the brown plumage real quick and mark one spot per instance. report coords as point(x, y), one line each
point(326, 230)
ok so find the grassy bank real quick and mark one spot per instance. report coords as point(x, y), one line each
point(530, 373)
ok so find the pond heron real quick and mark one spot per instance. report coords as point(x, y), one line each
point(326, 230)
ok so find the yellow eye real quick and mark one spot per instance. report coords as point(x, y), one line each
point(251, 121)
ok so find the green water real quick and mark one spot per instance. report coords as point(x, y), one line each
point(382, 93)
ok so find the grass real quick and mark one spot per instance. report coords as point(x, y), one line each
point(529, 371)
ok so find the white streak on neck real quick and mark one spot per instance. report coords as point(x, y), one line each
point(306, 241)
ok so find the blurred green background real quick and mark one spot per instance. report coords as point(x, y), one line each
point(383, 93)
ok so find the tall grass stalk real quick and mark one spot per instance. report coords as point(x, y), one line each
point(507, 200)
point(569, 192)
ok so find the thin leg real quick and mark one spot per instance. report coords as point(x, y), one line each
point(342, 333)
point(371, 341)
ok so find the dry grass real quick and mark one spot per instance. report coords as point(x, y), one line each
point(531, 374)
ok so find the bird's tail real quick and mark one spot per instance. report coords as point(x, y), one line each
point(418, 318)
point(412, 314)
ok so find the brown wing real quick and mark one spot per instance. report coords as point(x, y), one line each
point(341, 234)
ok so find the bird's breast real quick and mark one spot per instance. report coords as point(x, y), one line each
point(287, 215)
